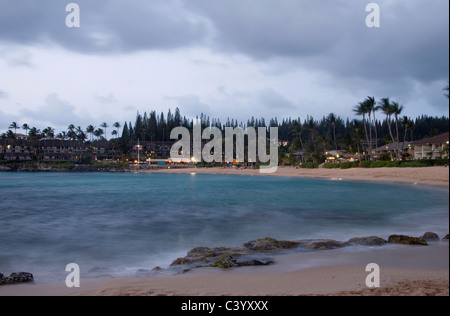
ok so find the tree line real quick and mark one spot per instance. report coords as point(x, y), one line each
point(376, 123)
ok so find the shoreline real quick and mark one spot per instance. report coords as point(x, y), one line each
point(404, 270)
point(437, 177)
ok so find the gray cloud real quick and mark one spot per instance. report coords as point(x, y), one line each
point(106, 26)
point(3, 95)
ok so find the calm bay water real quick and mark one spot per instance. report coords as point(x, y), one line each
point(125, 222)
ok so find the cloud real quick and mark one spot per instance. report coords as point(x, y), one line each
point(412, 42)
point(54, 111)
point(3, 95)
point(106, 26)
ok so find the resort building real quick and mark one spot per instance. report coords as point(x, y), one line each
point(432, 147)
point(406, 150)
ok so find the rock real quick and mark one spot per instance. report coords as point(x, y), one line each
point(16, 278)
point(215, 252)
point(157, 269)
point(406, 240)
point(446, 237)
point(368, 241)
point(430, 236)
point(187, 260)
point(225, 262)
point(255, 263)
point(327, 245)
point(270, 244)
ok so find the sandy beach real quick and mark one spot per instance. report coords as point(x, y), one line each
point(434, 176)
point(405, 270)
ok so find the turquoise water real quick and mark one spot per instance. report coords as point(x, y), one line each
point(125, 222)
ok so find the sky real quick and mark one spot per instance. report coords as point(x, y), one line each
point(225, 59)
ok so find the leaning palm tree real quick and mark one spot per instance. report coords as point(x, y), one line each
point(370, 105)
point(361, 109)
point(105, 126)
point(117, 126)
point(386, 107)
point(90, 130)
point(14, 126)
point(312, 128)
point(446, 89)
point(397, 109)
point(26, 127)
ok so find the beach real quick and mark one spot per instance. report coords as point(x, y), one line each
point(431, 176)
point(404, 270)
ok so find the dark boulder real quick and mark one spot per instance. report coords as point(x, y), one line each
point(430, 236)
point(270, 244)
point(327, 245)
point(368, 241)
point(225, 262)
point(16, 278)
point(446, 237)
point(407, 240)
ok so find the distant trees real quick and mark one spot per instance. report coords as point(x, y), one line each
point(309, 139)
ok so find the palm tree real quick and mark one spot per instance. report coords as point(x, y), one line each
point(332, 120)
point(105, 126)
point(114, 133)
point(370, 105)
point(397, 109)
point(62, 135)
point(361, 109)
point(26, 127)
point(386, 107)
point(117, 127)
point(446, 89)
point(14, 126)
point(90, 130)
point(99, 133)
point(49, 132)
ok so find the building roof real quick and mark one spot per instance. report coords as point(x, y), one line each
point(393, 146)
point(439, 139)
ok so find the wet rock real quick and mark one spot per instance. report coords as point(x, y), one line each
point(407, 240)
point(187, 260)
point(446, 237)
point(327, 245)
point(16, 278)
point(270, 244)
point(225, 262)
point(429, 236)
point(155, 269)
point(368, 241)
point(250, 263)
point(215, 252)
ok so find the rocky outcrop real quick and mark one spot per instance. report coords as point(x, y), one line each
point(16, 278)
point(429, 236)
point(226, 262)
point(327, 245)
point(407, 240)
point(446, 237)
point(368, 241)
point(270, 244)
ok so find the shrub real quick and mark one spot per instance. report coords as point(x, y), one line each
point(331, 165)
point(309, 165)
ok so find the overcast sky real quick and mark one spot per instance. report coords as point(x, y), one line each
point(229, 58)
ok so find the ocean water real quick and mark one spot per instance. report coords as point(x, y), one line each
point(117, 223)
